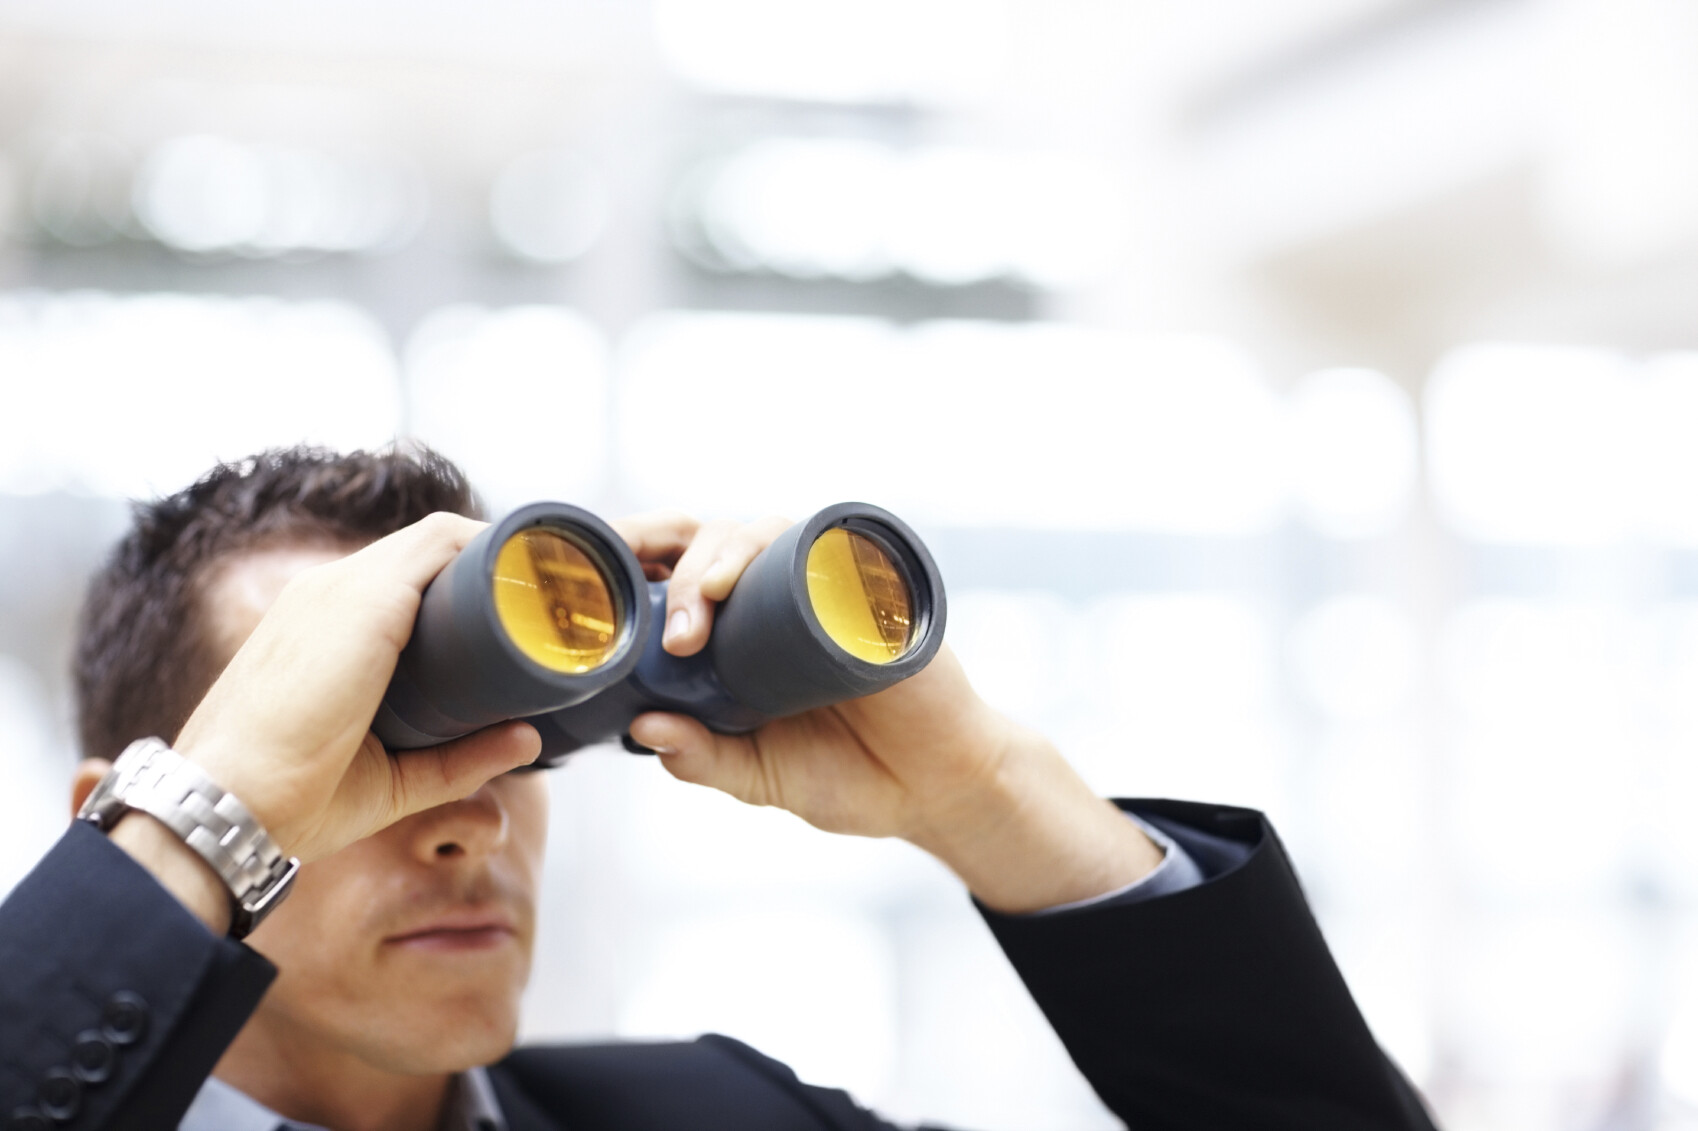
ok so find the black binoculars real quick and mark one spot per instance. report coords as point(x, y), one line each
point(546, 616)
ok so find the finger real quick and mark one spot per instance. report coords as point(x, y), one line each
point(689, 615)
point(657, 537)
point(690, 752)
point(424, 779)
point(416, 554)
point(378, 586)
point(739, 549)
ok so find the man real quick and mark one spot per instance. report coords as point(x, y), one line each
point(1191, 985)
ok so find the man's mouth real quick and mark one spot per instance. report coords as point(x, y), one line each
point(459, 930)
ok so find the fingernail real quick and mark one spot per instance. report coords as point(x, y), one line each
point(677, 624)
point(636, 747)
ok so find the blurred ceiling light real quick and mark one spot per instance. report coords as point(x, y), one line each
point(1026, 681)
point(954, 217)
point(1068, 219)
point(138, 396)
point(1549, 697)
point(1531, 444)
point(1057, 427)
point(877, 51)
point(1620, 173)
point(202, 194)
point(1048, 218)
point(207, 194)
point(1355, 656)
point(758, 414)
point(1370, 793)
point(861, 210)
point(802, 208)
point(519, 397)
point(548, 206)
point(1435, 102)
point(1354, 451)
point(1514, 660)
point(1667, 443)
point(302, 210)
point(78, 196)
point(1506, 1019)
point(1185, 655)
point(1190, 675)
point(390, 206)
point(961, 423)
point(1508, 782)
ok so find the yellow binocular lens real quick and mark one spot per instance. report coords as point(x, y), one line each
point(861, 598)
point(555, 602)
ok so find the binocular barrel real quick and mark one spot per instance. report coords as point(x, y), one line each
point(541, 610)
point(546, 616)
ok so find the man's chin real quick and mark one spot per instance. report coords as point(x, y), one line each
point(453, 1043)
point(457, 1027)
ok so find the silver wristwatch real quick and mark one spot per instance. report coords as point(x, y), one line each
point(154, 778)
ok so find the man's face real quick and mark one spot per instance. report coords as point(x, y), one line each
point(407, 950)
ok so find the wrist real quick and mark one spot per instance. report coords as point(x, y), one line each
point(177, 867)
point(1031, 835)
point(208, 821)
point(237, 770)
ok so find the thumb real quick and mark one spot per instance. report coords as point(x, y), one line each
point(690, 752)
point(437, 775)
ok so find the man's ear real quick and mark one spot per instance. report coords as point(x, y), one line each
point(89, 773)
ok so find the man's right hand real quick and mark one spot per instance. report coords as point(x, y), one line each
point(286, 728)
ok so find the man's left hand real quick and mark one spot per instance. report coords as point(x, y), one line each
point(926, 760)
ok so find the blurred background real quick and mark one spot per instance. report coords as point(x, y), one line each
point(1298, 395)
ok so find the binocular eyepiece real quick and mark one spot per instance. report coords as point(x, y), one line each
point(546, 616)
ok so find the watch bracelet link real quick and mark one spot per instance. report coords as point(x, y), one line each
point(215, 825)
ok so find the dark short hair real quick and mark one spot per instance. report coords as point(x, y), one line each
point(144, 654)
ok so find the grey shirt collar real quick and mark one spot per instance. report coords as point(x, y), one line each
point(219, 1107)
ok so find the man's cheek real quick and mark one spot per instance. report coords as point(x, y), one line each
point(313, 931)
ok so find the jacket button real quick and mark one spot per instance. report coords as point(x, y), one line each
point(28, 1119)
point(125, 1019)
point(61, 1095)
point(93, 1057)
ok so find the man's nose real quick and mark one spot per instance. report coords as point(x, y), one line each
point(474, 827)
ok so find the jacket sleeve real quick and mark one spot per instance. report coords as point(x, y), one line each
point(115, 1001)
point(1217, 1006)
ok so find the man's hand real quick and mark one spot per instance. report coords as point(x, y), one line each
point(926, 760)
point(286, 727)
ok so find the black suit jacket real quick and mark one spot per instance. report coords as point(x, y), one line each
point(1218, 1007)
